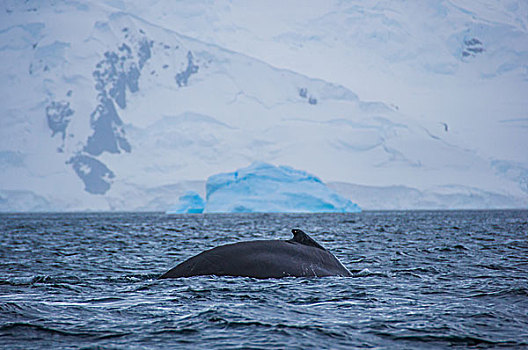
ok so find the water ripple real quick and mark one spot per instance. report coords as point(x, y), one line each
point(420, 280)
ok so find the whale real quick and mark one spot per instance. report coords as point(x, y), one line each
point(300, 256)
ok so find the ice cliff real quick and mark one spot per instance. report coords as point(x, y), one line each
point(262, 187)
point(189, 203)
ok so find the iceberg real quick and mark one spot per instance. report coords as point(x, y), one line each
point(190, 203)
point(263, 187)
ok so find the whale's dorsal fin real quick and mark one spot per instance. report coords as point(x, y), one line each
point(300, 237)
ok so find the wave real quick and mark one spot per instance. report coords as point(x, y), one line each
point(248, 324)
point(21, 330)
point(507, 292)
point(452, 340)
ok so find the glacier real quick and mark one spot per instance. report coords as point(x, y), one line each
point(262, 187)
point(109, 105)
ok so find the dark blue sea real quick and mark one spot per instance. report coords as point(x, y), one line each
point(422, 280)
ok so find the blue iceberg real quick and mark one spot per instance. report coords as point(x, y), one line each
point(190, 203)
point(262, 187)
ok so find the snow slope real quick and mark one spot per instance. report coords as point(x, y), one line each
point(434, 198)
point(106, 106)
point(458, 62)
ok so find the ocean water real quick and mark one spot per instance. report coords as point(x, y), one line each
point(422, 280)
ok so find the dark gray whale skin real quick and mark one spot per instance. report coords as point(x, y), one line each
point(300, 256)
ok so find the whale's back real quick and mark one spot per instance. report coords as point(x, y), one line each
point(262, 259)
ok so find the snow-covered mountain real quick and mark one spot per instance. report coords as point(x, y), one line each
point(117, 106)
